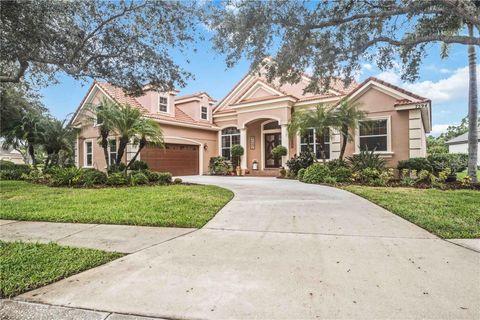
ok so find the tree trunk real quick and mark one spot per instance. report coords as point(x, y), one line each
point(472, 110)
point(104, 145)
point(31, 153)
point(141, 145)
point(121, 150)
point(320, 145)
point(47, 161)
point(344, 141)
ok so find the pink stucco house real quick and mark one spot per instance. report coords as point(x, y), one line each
point(255, 114)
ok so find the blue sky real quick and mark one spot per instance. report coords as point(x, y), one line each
point(444, 81)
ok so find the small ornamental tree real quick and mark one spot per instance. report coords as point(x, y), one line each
point(237, 151)
point(279, 151)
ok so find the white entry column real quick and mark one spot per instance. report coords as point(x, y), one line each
point(243, 143)
point(285, 143)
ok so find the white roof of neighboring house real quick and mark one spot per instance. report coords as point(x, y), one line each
point(463, 138)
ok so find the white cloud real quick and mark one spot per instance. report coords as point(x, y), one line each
point(445, 71)
point(367, 66)
point(437, 129)
point(390, 76)
point(450, 89)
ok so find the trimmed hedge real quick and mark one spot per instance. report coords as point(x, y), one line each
point(13, 171)
point(415, 164)
point(316, 173)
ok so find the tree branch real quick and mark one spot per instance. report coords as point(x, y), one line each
point(19, 74)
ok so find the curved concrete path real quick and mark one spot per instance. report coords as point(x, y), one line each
point(283, 249)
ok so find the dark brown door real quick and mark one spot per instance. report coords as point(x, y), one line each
point(178, 159)
point(271, 141)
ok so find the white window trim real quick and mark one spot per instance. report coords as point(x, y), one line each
point(167, 104)
point(110, 152)
point(230, 136)
point(299, 144)
point(389, 135)
point(96, 124)
point(85, 153)
point(201, 113)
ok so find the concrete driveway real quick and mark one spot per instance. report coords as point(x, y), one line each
point(283, 249)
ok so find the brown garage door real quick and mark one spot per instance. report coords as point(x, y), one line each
point(179, 159)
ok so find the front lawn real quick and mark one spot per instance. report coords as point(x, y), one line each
point(166, 206)
point(448, 214)
point(27, 266)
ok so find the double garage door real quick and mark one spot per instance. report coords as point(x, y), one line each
point(178, 159)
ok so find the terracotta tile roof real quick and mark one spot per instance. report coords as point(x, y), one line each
point(416, 96)
point(338, 84)
point(195, 94)
point(406, 101)
point(117, 94)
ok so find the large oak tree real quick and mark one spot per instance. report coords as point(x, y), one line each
point(127, 43)
point(333, 39)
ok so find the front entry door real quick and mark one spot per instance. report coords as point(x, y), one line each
point(271, 141)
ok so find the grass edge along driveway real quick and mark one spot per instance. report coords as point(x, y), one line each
point(27, 266)
point(449, 214)
point(188, 206)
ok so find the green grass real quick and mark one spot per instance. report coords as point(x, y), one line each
point(26, 266)
point(461, 175)
point(448, 214)
point(166, 206)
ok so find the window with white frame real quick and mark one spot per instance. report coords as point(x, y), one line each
point(373, 135)
point(88, 154)
point(311, 142)
point(230, 137)
point(112, 151)
point(204, 113)
point(162, 104)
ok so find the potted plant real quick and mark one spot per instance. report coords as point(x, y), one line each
point(237, 151)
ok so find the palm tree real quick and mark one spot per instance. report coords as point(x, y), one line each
point(147, 131)
point(347, 115)
point(472, 110)
point(56, 137)
point(321, 119)
point(100, 116)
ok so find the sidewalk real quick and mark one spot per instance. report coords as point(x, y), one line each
point(107, 237)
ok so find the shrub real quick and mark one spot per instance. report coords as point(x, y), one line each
point(456, 162)
point(300, 174)
point(12, 171)
point(415, 164)
point(336, 163)
point(342, 174)
point(117, 179)
point(66, 176)
point(6, 165)
point(177, 181)
point(92, 177)
point(366, 159)
point(302, 161)
point(219, 166)
point(138, 178)
point(330, 180)
point(138, 165)
point(316, 173)
point(279, 151)
point(116, 168)
point(36, 176)
point(159, 177)
point(368, 175)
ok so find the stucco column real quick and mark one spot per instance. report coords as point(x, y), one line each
point(335, 144)
point(285, 143)
point(243, 143)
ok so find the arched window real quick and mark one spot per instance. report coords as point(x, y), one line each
point(230, 137)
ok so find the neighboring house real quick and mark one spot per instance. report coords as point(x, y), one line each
point(11, 154)
point(460, 144)
point(255, 114)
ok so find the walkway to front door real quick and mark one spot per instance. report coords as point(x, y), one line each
point(271, 141)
